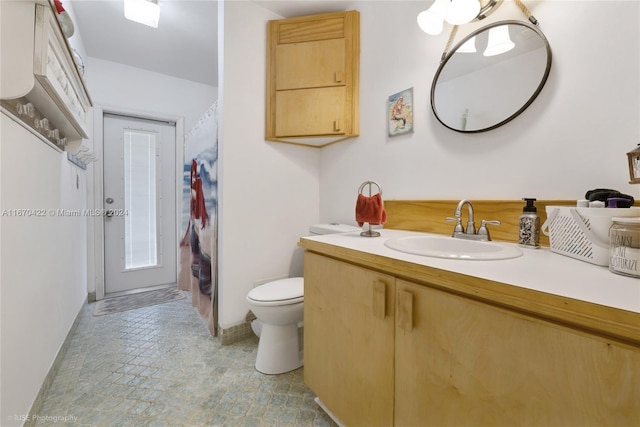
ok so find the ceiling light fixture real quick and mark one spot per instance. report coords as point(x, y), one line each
point(454, 12)
point(145, 12)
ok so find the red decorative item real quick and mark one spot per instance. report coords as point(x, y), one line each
point(64, 19)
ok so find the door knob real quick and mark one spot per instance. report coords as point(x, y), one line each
point(109, 213)
point(109, 200)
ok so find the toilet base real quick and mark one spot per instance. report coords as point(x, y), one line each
point(278, 349)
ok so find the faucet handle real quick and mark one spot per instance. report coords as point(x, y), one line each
point(484, 231)
point(458, 227)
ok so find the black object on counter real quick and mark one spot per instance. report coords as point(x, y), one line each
point(603, 194)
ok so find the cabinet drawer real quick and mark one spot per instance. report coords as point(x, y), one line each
point(307, 112)
point(310, 64)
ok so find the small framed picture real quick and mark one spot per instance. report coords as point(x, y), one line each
point(400, 112)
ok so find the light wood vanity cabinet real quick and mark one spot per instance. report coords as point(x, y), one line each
point(455, 360)
point(348, 341)
point(313, 78)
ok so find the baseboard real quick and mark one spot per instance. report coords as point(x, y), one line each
point(36, 408)
point(235, 333)
point(328, 412)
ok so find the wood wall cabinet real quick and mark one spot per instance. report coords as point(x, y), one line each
point(313, 78)
point(454, 360)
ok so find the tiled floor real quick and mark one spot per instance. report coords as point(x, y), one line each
point(158, 366)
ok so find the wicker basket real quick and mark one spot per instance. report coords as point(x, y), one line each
point(582, 233)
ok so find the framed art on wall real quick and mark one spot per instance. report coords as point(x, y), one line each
point(400, 112)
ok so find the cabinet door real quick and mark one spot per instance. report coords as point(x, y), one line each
point(462, 362)
point(348, 340)
point(308, 112)
point(313, 78)
point(312, 64)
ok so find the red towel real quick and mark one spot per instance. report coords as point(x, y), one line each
point(370, 209)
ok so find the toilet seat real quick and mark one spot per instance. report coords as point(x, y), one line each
point(279, 292)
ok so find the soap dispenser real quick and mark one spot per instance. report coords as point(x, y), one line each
point(529, 226)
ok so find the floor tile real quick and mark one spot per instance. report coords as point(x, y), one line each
point(158, 366)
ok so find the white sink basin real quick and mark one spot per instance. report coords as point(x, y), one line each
point(453, 248)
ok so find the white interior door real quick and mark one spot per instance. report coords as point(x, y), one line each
point(140, 203)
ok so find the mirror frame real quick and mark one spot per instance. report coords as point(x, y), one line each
point(452, 52)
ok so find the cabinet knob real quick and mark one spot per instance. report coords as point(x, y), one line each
point(338, 76)
point(336, 126)
point(379, 299)
point(405, 311)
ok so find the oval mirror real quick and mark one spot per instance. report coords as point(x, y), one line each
point(491, 76)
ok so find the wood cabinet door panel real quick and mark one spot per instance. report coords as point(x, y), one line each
point(310, 64)
point(468, 363)
point(319, 27)
point(348, 340)
point(306, 112)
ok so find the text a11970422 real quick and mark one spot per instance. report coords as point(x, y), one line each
point(48, 212)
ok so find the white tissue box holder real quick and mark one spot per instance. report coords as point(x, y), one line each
point(583, 233)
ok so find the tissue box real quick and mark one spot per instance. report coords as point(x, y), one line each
point(583, 233)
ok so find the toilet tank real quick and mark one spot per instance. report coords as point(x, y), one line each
point(332, 228)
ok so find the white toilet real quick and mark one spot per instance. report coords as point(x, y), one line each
point(278, 306)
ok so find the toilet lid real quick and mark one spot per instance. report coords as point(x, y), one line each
point(279, 290)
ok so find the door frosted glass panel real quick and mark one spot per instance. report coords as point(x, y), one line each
point(140, 185)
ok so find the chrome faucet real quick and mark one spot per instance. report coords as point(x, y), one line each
point(471, 225)
point(470, 232)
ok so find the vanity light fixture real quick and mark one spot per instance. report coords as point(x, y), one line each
point(634, 165)
point(454, 12)
point(499, 41)
point(145, 12)
point(462, 11)
point(469, 46)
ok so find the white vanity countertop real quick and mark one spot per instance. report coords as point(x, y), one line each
point(538, 269)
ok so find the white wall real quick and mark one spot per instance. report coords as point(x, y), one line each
point(43, 261)
point(268, 191)
point(571, 139)
point(117, 85)
point(43, 271)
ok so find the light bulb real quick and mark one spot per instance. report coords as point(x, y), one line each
point(462, 11)
point(499, 41)
point(469, 46)
point(431, 21)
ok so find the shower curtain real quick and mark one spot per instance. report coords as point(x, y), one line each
point(198, 247)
